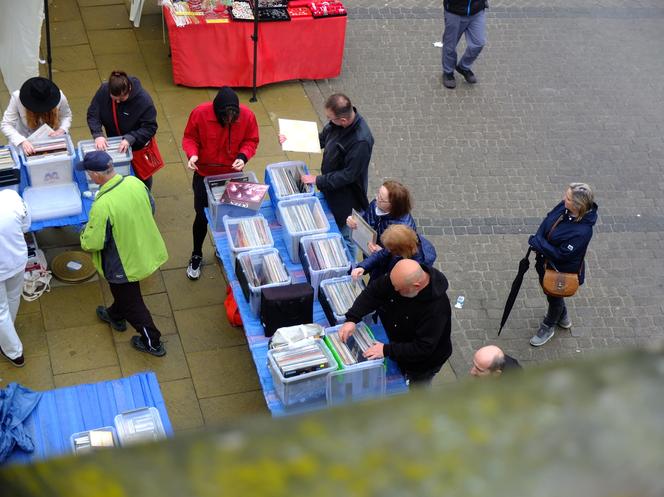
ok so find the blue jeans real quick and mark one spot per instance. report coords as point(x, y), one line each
point(475, 29)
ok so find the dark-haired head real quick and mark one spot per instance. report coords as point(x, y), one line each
point(340, 106)
point(119, 85)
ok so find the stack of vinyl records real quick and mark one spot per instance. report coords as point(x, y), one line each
point(325, 253)
point(263, 269)
point(6, 159)
point(55, 148)
point(250, 232)
point(341, 294)
point(117, 157)
point(216, 185)
point(10, 172)
point(303, 217)
point(352, 351)
point(287, 180)
point(295, 361)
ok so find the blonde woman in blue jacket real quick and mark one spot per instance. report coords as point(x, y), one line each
point(561, 243)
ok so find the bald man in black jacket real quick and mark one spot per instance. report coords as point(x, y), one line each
point(413, 306)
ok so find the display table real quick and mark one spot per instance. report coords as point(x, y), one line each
point(213, 55)
point(65, 411)
point(258, 342)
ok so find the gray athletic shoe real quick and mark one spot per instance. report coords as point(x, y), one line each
point(543, 335)
point(448, 80)
point(565, 321)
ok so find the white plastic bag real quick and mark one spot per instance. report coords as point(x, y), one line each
point(37, 277)
point(300, 334)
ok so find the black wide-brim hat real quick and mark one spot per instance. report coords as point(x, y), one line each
point(39, 94)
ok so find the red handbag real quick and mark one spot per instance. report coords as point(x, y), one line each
point(147, 160)
point(232, 312)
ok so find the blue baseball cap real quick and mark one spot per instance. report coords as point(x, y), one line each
point(97, 160)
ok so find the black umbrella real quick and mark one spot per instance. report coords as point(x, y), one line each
point(524, 264)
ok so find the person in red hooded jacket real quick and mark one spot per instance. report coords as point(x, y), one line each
point(221, 136)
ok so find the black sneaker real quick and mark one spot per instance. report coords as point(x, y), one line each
point(102, 313)
point(137, 343)
point(448, 80)
point(19, 362)
point(194, 267)
point(468, 75)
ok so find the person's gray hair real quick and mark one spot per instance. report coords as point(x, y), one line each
point(498, 363)
point(582, 198)
point(109, 170)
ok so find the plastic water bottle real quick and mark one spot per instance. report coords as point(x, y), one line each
point(459, 303)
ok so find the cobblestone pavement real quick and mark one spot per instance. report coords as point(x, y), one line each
point(568, 91)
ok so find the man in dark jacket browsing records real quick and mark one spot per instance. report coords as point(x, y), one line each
point(413, 306)
point(347, 143)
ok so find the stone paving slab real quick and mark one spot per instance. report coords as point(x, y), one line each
point(569, 90)
point(560, 99)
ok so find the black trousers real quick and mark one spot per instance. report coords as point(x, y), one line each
point(128, 304)
point(147, 182)
point(555, 311)
point(199, 229)
point(420, 378)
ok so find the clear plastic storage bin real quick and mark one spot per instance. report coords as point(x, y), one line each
point(276, 181)
point(330, 303)
point(255, 259)
point(139, 425)
point(247, 233)
point(215, 186)
point(294, 229)
point(10, 169)
point(121, 161)
point(50, 170)
point(364, 379)
point(51, 202)
point(303, 388)
point(81, 442)
point(339, 268)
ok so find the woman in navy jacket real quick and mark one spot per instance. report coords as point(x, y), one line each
point(392, 205)
point(135, 110)
point(561, 242)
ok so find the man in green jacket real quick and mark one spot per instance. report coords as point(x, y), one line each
point(126, 247)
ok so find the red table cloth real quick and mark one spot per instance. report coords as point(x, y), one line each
point(213, 55)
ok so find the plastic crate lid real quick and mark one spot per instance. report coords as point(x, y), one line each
point(139, 425)
point(53, 201)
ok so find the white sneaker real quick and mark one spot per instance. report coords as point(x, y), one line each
point(194, 267)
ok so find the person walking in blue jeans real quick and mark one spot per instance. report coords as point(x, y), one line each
point(463, 16)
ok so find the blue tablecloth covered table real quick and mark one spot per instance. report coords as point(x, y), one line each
point(254, 329)
point(65, 411)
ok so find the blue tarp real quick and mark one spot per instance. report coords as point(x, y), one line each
point(254, 329)
point(16, 404)
point(65, 411)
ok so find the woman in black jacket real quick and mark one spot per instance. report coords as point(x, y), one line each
point(134, 109)
point(561, 242)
